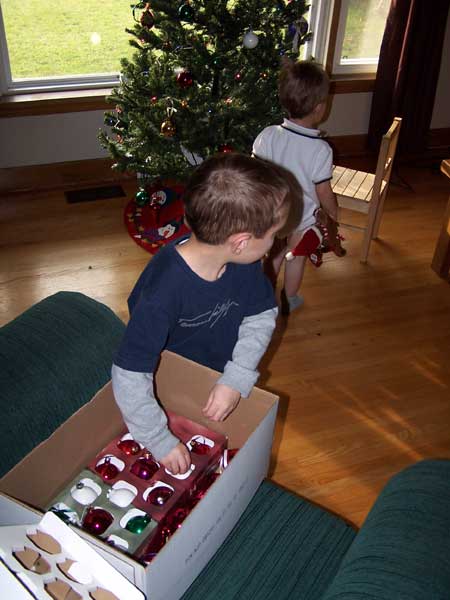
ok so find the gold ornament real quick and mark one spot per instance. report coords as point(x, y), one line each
point(168, 128)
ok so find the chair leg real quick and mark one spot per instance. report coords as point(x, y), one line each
point(379, 214)
point(369, 230)
point(365, 246)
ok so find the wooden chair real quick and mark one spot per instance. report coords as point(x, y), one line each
point(366, 192)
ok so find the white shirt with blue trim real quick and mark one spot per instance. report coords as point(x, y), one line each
point(303, 152)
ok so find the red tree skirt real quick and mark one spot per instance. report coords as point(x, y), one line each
point(158, 222)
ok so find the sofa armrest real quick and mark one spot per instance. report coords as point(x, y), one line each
point(53, 358)
point(402, 551)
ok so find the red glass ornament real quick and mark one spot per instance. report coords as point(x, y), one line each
point(226, 148)
point(176, 518)
point(159, 538)
point(154, 99)
point(97, 520)
point(160, 495)
point(185, 79)
point(107, 470)
point(202, 487)
point(144, 467)
point(129, 447)
point(199, 447)
point(238, 77)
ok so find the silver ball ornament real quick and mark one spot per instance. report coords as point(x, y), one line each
point(250, 40)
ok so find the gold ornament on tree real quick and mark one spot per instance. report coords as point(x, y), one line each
point(168, 128)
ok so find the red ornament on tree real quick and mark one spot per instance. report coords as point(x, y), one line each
point(147, 19)
point(226, 148)
point(185, 79)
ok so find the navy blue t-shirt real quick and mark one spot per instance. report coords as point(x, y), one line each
point(172, 308)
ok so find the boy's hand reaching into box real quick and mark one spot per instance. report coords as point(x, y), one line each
point(178, 460)
point(221, 402)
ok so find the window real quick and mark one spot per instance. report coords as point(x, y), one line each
point(359, 35)
point(78, 44)
point(62, 45)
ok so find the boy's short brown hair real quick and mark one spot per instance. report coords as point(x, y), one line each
point(234, 193)
point(302, 86)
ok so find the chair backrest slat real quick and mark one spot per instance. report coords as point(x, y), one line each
point(386, 156)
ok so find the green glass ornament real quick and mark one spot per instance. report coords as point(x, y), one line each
point(142, 197)
point(186, 12)
point(138, 524)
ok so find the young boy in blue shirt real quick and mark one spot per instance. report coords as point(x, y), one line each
point(206, 297)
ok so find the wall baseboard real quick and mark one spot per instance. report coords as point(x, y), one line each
point(65, 176)
point(85, 173)
point(439, 139)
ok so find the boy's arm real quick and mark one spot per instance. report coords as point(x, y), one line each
point(145, 419)
point(255, 333)
point(327, 198)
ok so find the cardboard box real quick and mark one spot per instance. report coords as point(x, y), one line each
point(183, 387)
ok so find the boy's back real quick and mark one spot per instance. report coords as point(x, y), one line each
point(304, 153)
point(296, 145)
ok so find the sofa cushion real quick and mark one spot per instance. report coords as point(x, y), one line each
point(53, 358)
point(282, 547)
point(402, 551)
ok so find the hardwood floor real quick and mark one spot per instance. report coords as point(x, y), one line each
point(363, 370)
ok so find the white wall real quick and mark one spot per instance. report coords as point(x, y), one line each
point(50, 138)
point(40, 140)
point(349, 114)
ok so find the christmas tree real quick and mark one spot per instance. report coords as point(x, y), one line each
point(203, 80)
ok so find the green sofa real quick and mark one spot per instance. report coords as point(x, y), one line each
point(57, 354)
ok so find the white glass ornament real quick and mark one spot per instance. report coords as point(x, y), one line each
point(250, 40)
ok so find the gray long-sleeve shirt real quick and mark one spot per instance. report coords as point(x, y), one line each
point(134, 391)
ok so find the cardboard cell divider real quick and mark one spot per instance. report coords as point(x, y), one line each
point(68, 505)
point(64, 557)
point(186, 430)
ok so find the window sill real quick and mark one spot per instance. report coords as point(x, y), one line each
point(47, 103)
point(344, 84)
point(24, 105)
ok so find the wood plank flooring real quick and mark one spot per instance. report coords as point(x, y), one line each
point(363, 370)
